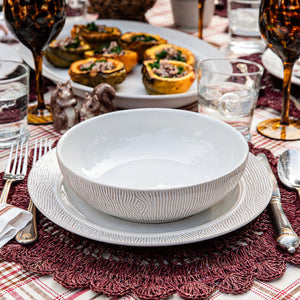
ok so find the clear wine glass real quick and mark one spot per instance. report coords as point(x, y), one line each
point(279, 23)
point(36, 23)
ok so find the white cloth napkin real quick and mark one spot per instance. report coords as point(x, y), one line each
point(12, 219)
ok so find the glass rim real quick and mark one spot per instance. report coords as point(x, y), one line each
point(26, 72)
point(237, 60)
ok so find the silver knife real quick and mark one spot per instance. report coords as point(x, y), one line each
point(287, 238)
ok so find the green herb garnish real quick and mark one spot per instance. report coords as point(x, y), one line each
point(91, 26)
point(97, 51)
point(100, 50)
point(179, 57)
point(87, 69)
point(116, 49)
point(93, 64)
point(161, 55)
point(154, 65)
point(143, 37)
point(74, 45)
point(180, 69)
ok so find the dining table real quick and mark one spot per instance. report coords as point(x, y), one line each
point(246, 263)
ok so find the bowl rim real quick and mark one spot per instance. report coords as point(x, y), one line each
point(60, 160)
point(230, 72)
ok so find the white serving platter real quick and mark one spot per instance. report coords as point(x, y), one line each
point(58, 202)
point(131, 93)
point(8, 53)
point(273, 64)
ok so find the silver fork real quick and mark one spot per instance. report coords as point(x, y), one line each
point(17, 170)
point(29, 233)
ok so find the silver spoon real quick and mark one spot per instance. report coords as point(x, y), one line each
point(289, 169)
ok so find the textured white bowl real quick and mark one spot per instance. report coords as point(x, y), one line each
point(152, 165)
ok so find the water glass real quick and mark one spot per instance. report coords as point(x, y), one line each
point(228, 90)
point(186, 14)
point(245, 37)
point(76, 9)
point(14, 94)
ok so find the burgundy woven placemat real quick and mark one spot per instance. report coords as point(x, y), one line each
point(229, 263)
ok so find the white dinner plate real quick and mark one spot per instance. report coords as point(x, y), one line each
point(57, 202)
point(273, 64)
point(8, 53)
point(131, 93)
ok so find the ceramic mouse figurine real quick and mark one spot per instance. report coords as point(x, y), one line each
point(63, 104)
point(99, 102)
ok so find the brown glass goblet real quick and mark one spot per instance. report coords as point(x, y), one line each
point(35, 23)
point(279, 22)
point(200, 18)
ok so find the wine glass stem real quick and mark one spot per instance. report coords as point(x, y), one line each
point(38, 63)
point(286, 90)
point(200, 17)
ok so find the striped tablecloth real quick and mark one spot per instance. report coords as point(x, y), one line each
point(15, 283)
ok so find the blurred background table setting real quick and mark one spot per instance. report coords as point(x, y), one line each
point(98, 241)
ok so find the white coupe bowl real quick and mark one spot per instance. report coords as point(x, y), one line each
point(152, 165)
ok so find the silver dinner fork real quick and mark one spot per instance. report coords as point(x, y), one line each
point(15, 169)
point(29, 233)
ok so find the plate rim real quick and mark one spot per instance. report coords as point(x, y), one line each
point(269, 54)
point(187, 98)
point(134, 239)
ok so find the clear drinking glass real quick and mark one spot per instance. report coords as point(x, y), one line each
point(228, 90)
point(76, 9)
point(14, 92)
point(245, 37)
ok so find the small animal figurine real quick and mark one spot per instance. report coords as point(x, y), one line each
point(63, 103)
point(99, 102)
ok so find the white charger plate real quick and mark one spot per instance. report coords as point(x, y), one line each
point(57, 202)
point(131, 93)
point(273, 64)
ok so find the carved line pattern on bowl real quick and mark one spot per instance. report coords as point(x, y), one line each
point(260, 186)
point(154, 206)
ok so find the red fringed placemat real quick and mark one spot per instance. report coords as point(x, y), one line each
point(229, 263)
